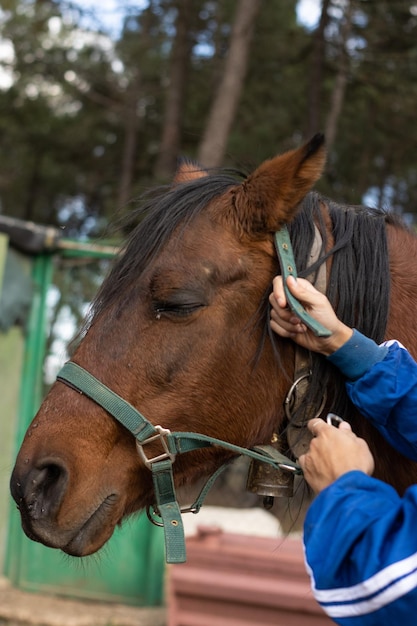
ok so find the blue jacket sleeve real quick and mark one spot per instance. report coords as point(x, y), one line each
point(361, 552)
point(383, 386)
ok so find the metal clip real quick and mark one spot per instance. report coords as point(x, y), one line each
point(162, 433)
point(334, 420)
point(292, 469)
point(152, 513)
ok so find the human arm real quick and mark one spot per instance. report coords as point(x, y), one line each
point(361, 551)
point(381, 380)
point(359, 535)
point(386, 394)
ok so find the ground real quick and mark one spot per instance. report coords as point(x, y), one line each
point(18, 608)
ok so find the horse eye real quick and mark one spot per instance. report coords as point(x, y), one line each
point(176, 309)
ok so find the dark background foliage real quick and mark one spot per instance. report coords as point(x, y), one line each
point(91, 116)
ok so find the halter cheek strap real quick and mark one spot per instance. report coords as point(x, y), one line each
point(287, 264)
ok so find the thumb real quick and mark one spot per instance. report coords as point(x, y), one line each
point(300, 287)
point(302, 460)
point(345, 426)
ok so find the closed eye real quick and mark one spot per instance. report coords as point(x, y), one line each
point(176, 309)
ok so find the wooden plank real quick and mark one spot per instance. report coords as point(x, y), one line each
point(241, 580)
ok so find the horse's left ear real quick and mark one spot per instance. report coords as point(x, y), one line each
point(269, 197)
point(188, 170)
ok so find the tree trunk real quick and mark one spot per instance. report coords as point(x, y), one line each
point(130, 142)
point(339, 90)
point(131, 119)
point(316, 73)
point(213, 145)
point(171, 132)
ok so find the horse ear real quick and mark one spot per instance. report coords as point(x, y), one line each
point(188, 170)
point(270, 196)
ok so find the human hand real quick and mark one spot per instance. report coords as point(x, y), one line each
point(333, 452)
point(286, 324)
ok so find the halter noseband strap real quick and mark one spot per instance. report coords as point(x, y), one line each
point(173, 443)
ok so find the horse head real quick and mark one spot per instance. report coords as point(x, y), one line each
point(178, 330)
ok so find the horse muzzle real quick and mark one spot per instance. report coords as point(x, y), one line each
point(39, 494)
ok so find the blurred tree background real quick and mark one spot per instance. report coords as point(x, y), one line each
point(92, 115)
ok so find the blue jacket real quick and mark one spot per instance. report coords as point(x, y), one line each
point(360, 537)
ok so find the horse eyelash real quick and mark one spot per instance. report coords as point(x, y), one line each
point(175, 308)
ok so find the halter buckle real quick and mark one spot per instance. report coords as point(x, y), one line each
point(161, 435)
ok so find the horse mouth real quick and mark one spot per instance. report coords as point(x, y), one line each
point(89, 537)
point(95, 531)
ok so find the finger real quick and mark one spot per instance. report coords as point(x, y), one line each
point(316, 425)
point(285, 316)
point(345, 426)
point(302, 461)
point(281, 331)
point(276, 305)
point(278, 292)
point(303, 290)
point(287, 329)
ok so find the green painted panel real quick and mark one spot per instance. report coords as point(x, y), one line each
point(11, 355)
point(130, 569)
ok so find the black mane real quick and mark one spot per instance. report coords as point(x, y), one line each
point(359, 283)
point(358, 287)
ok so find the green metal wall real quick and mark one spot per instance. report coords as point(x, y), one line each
point(11, 356)
point(130, 569)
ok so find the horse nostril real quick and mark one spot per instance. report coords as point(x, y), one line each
point(44, 488)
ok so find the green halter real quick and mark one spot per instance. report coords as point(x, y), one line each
point(173, 443)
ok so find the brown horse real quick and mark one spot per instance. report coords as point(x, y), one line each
point(180, 330)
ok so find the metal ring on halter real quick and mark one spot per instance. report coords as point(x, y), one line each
point(151, 516)
point(289, 398)
point(334, 420)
